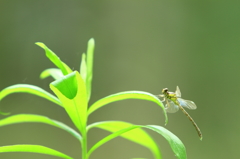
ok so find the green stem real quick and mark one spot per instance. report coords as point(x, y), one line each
point(84, 144)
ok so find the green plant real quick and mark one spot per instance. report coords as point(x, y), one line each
point(73, 91)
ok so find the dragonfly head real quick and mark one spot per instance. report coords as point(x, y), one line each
point(165, 90)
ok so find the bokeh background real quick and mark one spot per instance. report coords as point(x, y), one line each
point(140, 45)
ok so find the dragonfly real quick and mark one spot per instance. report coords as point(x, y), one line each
point(174, 102)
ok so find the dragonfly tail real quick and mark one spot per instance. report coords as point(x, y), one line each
point(193, 122)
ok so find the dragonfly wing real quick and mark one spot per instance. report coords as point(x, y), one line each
point(178, 93)
point(171, 107)
point(187, 103)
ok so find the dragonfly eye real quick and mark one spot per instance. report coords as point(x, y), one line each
point(165, 90)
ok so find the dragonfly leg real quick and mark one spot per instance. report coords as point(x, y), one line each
point(163, 100)
point(161, 96)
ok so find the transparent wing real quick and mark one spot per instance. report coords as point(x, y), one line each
point(171, 107)
point(187, 103)
point(178, 93)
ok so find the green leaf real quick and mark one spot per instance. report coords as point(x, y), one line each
point(127, 95)
point(26, 88)
point(83, 68)
point(90, 53)
point(34, 149)
point(137, 135)
point(54, 72)
point(55, 59)
point(31, 118)
point(71, 91)
point(175, 143)
point(4, 113)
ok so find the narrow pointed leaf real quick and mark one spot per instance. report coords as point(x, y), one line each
point(26, 88)
point(175, 143)
point(137, 135)
point(34, 149)
point(83, 68)
point(54, 72)
point(90, 53)
point(55, 59)
point(31, 118)
point(4, 113)
point(71, 91)
point(127, 95)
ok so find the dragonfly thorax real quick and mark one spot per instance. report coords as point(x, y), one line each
point(169, 95)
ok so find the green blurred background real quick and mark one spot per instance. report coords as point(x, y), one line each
point(140, 45)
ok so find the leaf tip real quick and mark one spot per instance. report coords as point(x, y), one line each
point(84, 55)
point(91, 42)
point(3, 113)
point(166, 121)
point(42, 45)
point(42, 75)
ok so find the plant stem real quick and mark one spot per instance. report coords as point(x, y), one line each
point(84, 144)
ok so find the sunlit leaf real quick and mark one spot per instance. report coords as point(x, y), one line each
point(83, 67)
point(71, 91)
point(34, 149)
point(55, 59)
point(31, 118)
point(54, 72)
point(26, 88)
point(175, 143)
point(127, 95)
point(137, 135)
point(90, 53)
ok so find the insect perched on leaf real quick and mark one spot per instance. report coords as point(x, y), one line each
point(174, 102)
